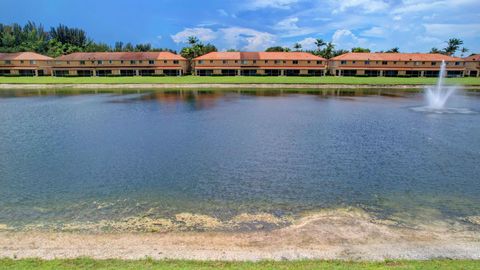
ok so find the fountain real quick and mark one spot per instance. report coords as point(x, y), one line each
point(438, 96)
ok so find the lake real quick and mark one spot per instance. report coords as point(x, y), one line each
point(113, 155)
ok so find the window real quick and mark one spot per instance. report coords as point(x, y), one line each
point(367, 62)
point(406, 63)
point(21, 61)
point(394, 62)
point(457, 63)
point(200, 61)
point(353, 62)
point(224, 62)
point(93, 62)
point(244, 62)
point(121, 61)
point(284, 61)
point(151, 62)
point(384, 62)
point(343, 62)
point(68, 62)
point(175, 62)
point(82, 62)
point(319, 62)
point(8, 62)
point(295, 62)
point(423, 63)
point(100, 62)
point(376, 62)
point(277, 62)
point(110, 62)
point(254, 61)
point(211, 61)
point(140, 62)
point(165, 61)
point(266, 61)
point(236, 61)
point(308, 62)
point(434, 63)
point(133, 62)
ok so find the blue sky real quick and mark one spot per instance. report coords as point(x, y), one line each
point(411, 25)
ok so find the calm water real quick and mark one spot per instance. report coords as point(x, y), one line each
point(107, 156)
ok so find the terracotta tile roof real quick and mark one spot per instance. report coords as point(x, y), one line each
point(259, 56)
point(396, 57)
point(23, 56)
point(120, 56)
point(475, 57)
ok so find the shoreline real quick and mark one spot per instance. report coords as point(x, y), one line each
point(153, 86)
point(340, 234)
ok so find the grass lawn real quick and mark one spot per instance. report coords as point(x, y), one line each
point(238, 79)
point(84, 263)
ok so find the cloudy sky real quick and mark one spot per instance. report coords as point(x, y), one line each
point(411, 25)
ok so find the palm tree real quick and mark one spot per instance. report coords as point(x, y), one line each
point(393, 50)
point(435, 50)
point(320, 43)
point(453, 45)
point(297, 46)
point(463, 51)
point(192, 40)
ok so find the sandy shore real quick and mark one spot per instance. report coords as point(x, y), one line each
point(218, 86)
point(326, 235)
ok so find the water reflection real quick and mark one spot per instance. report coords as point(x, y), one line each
point(121, 153)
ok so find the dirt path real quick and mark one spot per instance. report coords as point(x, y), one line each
point(327, 235)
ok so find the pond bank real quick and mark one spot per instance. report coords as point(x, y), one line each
point(219, 86)
point(339, 234)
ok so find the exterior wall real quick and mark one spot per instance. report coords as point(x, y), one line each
point(36, 65)
point(259, 65)
point(400, 66)
point(472, 67)
point(117, 65)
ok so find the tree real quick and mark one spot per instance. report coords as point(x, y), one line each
point(143, 47)
point(297, 46)
point(453, 45)
point(360, 50)
point(118, 46)
point(277, 49)
point(232, 50)
point(393, 50)
point(196, 48)
point(435, 50)
point(319, 43)
point(463, 51)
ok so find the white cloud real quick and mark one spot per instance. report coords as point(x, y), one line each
point(230, 37)
point(345, 39)
point(308, 43)
point(374, 32)
point(368, 6)
point(453, 30)
point(280, 4)
point(222, 12)
point(204, 34)
point(159, 37)
point(421, 6)
point(288, 28)
point(246, 39)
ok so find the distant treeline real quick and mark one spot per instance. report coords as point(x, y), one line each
point(62, 40)
point(59, 40)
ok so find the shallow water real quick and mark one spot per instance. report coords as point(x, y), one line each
point(91, 157)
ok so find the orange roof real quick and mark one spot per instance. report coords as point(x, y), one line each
point(475, 57)
point(120, 56)
point(396, 57)
point(23, 56)
point(259, 56)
